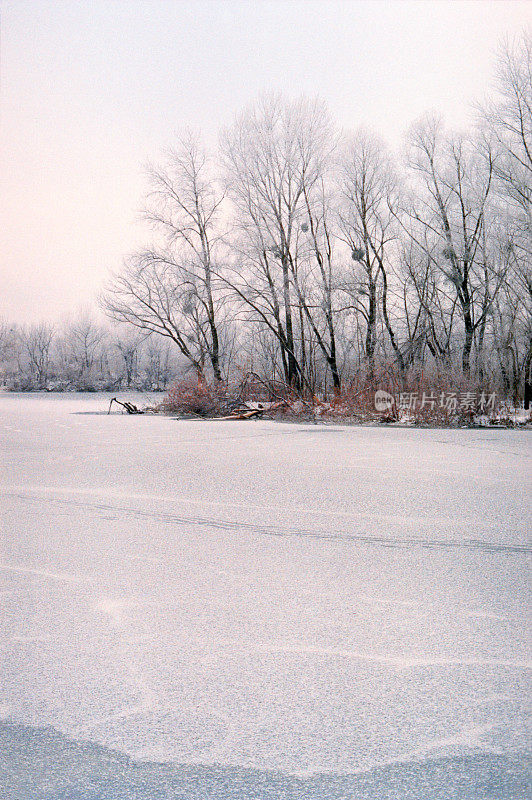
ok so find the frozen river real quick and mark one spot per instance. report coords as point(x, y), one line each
point(272, 610)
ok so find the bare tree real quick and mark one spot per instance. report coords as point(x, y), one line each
point(169, 289)
point(447, 223)
point(509, 122)
point(37, 342)
point(428, 308)
point(367, 225)
point(128, 343)
point(10, 353)
point(273, 155)
point(158, 367)
point(316, 280)
point(81, 352)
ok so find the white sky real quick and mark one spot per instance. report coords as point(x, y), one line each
point(93, 89)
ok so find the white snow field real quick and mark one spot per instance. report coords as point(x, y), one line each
point(272, 610)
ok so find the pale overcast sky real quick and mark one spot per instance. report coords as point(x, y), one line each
point(90, 91)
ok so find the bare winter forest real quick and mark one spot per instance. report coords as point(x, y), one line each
point(319, 259)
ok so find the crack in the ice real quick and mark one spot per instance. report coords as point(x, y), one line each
point(270, 530)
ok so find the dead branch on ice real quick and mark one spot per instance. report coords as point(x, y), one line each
point(131, 408)
point(254, 412)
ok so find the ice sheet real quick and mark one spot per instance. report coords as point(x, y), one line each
point(259, 595)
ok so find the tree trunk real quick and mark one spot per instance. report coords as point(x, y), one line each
point(293, 378)
point(371, 328)
point(398, 354)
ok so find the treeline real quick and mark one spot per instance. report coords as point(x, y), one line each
point(320, 260)
point(84, 356)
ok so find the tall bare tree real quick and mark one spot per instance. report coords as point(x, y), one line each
point(273, 155)
point(507, 118)
point(369, 196)
point(169, 289)
point(447, 222)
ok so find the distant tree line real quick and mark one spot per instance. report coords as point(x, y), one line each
point(84, 356)
point(312, 257)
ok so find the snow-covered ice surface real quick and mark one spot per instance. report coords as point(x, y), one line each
point(272, 610)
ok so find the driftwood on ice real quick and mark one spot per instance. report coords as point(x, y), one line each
point(131, 408)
